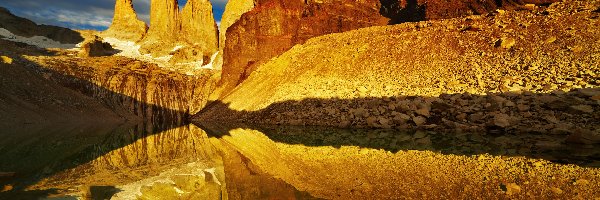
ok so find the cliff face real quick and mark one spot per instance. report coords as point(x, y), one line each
point(274, 26)
point(190, 35)
point(164, 28)
point(154, 94)
point(198, 26)
point(27, 28)
point(233, 11)
point(126, 25)
point(164, 19)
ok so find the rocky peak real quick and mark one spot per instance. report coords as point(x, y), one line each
point(164, 20)
point(198, 27)
point(126, 25)
point(192, 33)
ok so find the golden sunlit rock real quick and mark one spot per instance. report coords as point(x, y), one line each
point(125, 24)
point(6, 188)
point(6, 59)
point(314, 99)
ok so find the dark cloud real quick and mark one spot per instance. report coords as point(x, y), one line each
point(83, 14)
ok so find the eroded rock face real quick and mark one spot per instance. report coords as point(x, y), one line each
point(198, 26)
point(154, 94)
point(233, 11)
point(164, 26)
point(274, 26)
point(193, 29)
point(126, 25)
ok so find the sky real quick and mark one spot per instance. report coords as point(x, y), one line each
point(84, 14)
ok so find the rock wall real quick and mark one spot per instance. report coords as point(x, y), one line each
point(198, 26)
point(233, 11)
point(164, 19)
point(193, 30)
point(164, 28)
point(154, 94)
point(274, 26)
point(27, 97)
point(126, 25)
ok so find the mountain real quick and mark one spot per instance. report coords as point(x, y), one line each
point(27, 28)
point(126, 25)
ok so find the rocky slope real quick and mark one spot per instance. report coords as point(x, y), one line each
point(274, 26)
point(29, 98)
point(510, 71)
point(125, 25)
point(26, 28)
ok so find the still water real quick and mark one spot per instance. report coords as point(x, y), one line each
point(208, 161)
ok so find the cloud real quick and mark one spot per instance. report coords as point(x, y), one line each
point(84, 14)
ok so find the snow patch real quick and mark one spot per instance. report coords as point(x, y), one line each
point(39, 41)
point(177, 48)
point(128, 48)
point(212, 172)
point(132, 50)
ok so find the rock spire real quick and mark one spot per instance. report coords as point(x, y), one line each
point(126, 25)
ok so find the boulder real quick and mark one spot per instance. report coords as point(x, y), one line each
point(95, 47)
point(6, 60)
point(126, 25)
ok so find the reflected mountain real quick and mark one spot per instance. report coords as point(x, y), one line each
point(541, 146)
point(275, 162)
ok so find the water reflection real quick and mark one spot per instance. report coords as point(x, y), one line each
point(258, 162)
point(547, 147)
